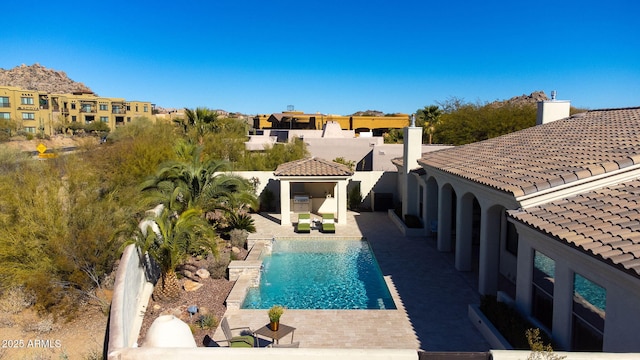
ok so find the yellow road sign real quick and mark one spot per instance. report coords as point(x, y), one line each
point(41, 148)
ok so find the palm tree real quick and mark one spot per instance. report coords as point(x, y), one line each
point(191, 182)
point(202, 120)
point(169, 239)
point(429, 118)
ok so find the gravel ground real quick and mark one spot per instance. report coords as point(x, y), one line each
point(210, 299)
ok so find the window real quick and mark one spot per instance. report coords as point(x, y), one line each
point(4, 101)
point(104, 119)
point(137, 108)
point(86, 108)
point(544, 269)
point(104, 107)
point(128, 119)
point(30, 129)
point(26, 100)
point(146, 108)
point(116, 109)
point(73, 106)
point(588, 316)
point(88, 119)
point(5, 116)
point(28, 116)
point(128, 107)
point(512, 239)
point(73, 118)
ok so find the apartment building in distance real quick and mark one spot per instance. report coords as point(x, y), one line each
point(39, 112)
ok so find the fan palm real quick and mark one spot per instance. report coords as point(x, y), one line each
point(170, 238)
point(191, 182)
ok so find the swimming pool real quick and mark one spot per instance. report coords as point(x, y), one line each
point(320, 274)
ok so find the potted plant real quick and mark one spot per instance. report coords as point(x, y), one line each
point(274, 316)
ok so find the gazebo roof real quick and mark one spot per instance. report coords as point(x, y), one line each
point(312, 167)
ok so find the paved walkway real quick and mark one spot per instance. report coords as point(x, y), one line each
point(432, 297)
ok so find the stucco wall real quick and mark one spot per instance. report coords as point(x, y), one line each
point(131, 294)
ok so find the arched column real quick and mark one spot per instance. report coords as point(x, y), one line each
point(464, 239)
point(490, 221)
point(431, 204)
point(444, 218)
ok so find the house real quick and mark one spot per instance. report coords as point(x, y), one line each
point(547, 217)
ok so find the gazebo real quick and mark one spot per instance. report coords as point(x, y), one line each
point(313, 185)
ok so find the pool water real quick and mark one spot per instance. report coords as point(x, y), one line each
point(320, 274)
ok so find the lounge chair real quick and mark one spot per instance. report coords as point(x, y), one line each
point(304, 223)
point(328, 223)
point(241, 340)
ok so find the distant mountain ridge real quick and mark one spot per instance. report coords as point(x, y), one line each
point(523, 99)
point(38, 77)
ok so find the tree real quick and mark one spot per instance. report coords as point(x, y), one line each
point(428, 118)
point(169, 238)
point(349, 163)
point(192, 182)
point(198, 122)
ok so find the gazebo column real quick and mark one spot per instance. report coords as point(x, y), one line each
point(285, 202)
point(341, 197)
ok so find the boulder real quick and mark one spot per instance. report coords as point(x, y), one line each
point(191, 285)
point(203, 273)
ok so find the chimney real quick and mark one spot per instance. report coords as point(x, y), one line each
point(552, 110)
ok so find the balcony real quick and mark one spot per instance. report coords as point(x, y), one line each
point(118, 111)
point(88, 108)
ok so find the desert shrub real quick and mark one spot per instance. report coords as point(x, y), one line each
point(15, 299)
point(238, 238)
point(93, 355)
point(218, 267)
point(355, 198)
point(207, 322)
point(43, 326)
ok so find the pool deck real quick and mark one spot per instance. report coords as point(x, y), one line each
point(431, 296)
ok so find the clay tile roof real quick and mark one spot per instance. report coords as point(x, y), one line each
point(312, 167)
point(548, 155)
point(594, 223)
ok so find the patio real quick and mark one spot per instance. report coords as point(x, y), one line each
point(431, 296)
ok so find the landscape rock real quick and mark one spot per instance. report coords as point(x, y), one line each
point(203, 273)
point(191, 285)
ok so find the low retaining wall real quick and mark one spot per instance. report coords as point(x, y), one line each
point(131, 292)
point(408, 232)
point(486, 328)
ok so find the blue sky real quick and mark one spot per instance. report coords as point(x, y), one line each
point(333, 56)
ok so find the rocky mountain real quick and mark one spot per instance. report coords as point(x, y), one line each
point(523, 99)
point(38, 77)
